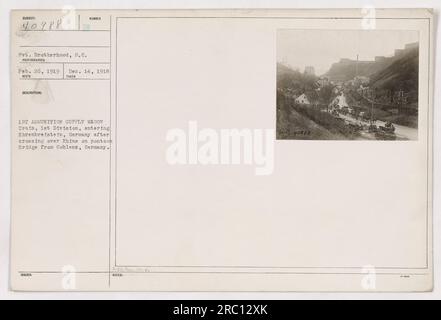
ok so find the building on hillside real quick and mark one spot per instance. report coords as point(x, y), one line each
point(323, 81)
point(339, 102)
point(361, 80)
point(302, 99)
point(398, 52)
point(411, 45)
point(363, 90)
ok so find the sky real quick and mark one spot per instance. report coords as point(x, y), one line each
point(322, 48)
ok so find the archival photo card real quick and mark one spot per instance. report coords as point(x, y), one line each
point(219, 150)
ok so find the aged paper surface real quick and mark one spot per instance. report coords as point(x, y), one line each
point(222, 150)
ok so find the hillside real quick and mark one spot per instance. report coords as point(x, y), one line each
point(295, 81)
point(402, 74)
point(346, 69)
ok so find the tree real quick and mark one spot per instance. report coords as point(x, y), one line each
point(326, 94)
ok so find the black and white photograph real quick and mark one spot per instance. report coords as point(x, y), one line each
point(347, 84)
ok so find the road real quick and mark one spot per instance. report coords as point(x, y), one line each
point(401, 132)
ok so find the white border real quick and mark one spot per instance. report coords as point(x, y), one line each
point(176, 4)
